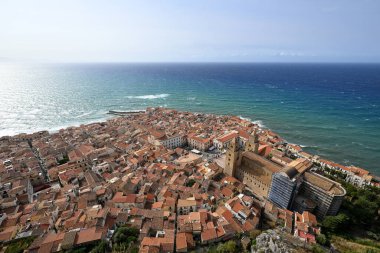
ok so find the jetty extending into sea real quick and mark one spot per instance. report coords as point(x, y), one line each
point(124, 113)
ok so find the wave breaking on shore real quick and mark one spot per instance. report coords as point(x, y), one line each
point(257, 122)
point(149, 96)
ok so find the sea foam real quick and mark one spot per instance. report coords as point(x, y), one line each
point(150, 96)
point(257, 122)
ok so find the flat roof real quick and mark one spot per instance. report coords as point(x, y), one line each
point(324, 183)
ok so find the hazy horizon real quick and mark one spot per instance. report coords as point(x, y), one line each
point(197, 31)
point(34, 62)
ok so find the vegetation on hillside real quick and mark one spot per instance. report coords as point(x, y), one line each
point(18, 246)
point(227, 247)
point(357, 223)
point(125, 240)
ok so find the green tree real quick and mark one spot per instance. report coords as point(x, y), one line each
point(20, 245)
point(190, 183)
point(134, 249)
point(334, 223)
point(364, 209)
point(212, 249)
point(254, 233)
point(102, 247)
point(124, 234)
point(317, 249)
point(64, 160)
point(228, 247)
point(321, 239)
point(231, 246)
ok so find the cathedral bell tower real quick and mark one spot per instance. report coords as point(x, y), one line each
point(232, 155)
point(253, 143)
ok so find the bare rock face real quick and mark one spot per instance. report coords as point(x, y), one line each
point(272, 241)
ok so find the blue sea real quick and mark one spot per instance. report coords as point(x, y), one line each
point(330, 109)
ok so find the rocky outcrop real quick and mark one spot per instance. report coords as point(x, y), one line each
point(275, 241)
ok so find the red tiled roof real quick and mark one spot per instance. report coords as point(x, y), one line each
point(90, 235)
point(227, 137)
point(227, 192)
point(208, 234)
point(181, 243)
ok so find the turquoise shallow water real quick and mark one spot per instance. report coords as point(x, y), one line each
point(331, 109)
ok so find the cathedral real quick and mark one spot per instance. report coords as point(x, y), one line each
point(249, 167)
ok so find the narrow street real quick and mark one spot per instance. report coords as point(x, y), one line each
point(40, 161)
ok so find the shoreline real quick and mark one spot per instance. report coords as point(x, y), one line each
point(112, 114)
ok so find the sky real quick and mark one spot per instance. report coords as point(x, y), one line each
point(190, 31)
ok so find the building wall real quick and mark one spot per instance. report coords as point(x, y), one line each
point(255, 175)
point(327, 204)
point(199, 145)
point(174, 142)
point(250, 170)
point(282, 190)
point(260, 188)
point(185, 210)
point(231, 162)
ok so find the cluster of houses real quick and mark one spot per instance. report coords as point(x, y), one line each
point(75, 187)
point(301, 225)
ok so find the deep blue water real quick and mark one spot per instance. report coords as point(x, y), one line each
point(332, 109)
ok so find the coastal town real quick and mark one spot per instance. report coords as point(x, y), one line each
point(163, 180)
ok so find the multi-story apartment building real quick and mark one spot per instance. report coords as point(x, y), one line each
point(168, 140)
point(199, 142)
point(224, 141)
point(324, 195)
point(283, 187)
point(295, 188)
point(285, 184)
point(186, 206)
point(173, 141)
